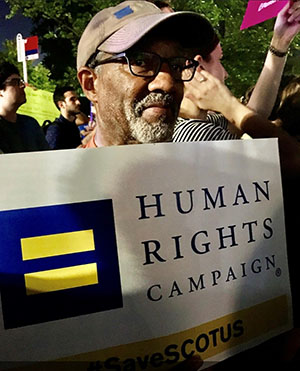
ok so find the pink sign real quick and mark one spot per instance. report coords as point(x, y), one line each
point(260, 11)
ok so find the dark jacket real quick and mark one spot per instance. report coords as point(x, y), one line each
point(63, 134)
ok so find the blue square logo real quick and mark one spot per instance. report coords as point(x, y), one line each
point(58, 262)
point(123, 12)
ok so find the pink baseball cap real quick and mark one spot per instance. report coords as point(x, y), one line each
point(116, 29)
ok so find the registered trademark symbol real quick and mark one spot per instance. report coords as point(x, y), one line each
point(278, 272)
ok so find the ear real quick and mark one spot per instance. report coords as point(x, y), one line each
point(87, 79)
point(60, 104)
point(200, 60)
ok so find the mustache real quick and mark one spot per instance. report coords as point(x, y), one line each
point(164, 99)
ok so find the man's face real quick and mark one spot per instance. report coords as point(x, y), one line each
point(71, 104)
point(134, 109)
point(214, 64)
point(14, 91)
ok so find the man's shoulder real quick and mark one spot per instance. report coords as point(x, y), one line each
point(28, 120)
point(52, 126)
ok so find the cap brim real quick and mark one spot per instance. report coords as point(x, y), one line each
point(130, 34)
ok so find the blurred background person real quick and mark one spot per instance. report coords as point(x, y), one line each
point(18, 133)
point(63, 133)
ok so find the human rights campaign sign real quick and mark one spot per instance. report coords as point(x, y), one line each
point(135, 257)
point(58, 262)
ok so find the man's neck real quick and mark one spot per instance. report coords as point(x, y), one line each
point(8, 115)
point(189, 110)
point(103, 138)
point(98, 138)
point(68, 116)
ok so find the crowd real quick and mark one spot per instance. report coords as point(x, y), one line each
point(149, 81)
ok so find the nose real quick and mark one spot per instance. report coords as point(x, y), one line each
point(225, 73)
point(163, 81)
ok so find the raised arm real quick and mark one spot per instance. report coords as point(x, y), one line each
point(266, 89)
point(209, 93)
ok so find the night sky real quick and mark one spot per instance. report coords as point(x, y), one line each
point(10, 28)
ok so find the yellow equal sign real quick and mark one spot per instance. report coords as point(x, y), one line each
point(61, 279)
point(55, 245)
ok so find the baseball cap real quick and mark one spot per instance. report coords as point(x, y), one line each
point(116, 29)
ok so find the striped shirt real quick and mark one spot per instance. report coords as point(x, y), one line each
point(194, 130)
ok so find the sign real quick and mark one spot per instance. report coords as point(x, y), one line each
point(39, 104)
point(20, 48)
point(260, 11)
point(27, 49)
point(31, 48)
point(135, 257)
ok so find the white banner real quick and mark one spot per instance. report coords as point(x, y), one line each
point(144, 253)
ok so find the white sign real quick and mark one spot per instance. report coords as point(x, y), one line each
point(20, 48)
point(22, 55)
point(142, 254)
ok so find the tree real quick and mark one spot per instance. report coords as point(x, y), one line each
point(59, 24)
point(38, 75)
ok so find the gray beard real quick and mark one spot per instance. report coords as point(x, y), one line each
point(143, 131)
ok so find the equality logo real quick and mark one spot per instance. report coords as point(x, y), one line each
point(58, 262)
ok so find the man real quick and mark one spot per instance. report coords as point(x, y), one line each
point(137, 95)
point(63, 133)
point(136, 104)
point(132, 62)
point(18, 133)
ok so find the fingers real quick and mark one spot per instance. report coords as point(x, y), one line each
point(294, 12)
point(203, 76)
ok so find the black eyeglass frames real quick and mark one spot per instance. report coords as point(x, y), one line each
point(146, 64)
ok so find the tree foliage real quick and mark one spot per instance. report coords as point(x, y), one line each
point(59, 24)
point(38, 75)
point(244, 51)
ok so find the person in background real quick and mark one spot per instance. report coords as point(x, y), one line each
point(288, 118)
point(203, 125)
point(85, 121)
point(288, 112)
point(18, 133)
point(63, 133)
point(163, 6)
point(193, 124)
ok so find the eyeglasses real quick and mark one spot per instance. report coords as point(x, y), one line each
point(17, 81)
point(144, 64)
